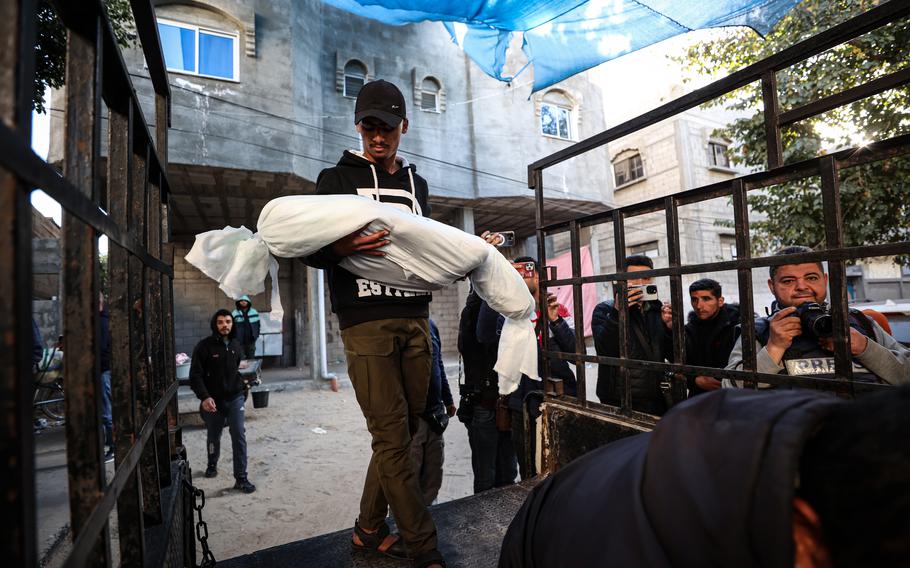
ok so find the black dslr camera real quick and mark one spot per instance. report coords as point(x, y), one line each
point(815, 319)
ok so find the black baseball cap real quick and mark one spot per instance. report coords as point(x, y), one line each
point(380, 99)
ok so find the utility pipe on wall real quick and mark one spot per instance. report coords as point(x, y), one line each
point(319, 367)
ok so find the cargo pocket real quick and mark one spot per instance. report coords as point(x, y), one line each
point(369, 358)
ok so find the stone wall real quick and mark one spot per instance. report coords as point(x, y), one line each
point(445, 309)
point(46, 314)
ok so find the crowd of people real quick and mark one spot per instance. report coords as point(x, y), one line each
point(796, 338)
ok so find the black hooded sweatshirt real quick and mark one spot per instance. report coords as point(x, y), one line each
point(712, 485)
point(709, 342)
point(214, 370)
point(358, 300)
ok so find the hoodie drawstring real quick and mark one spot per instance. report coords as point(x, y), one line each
point(375, 183)
point(417, 210)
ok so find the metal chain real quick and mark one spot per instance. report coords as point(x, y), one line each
point(202, 529)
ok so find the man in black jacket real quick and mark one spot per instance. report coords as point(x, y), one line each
point(649, 340)
point(493, 458)
point(215, 379)
point(711, 332)
point(385, 330)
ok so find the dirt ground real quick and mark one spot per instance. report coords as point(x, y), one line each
point(307, 483)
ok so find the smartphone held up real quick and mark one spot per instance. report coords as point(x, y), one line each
point(503, 239)
point(648, 292)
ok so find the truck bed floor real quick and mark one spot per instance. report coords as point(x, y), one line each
point(471, 530)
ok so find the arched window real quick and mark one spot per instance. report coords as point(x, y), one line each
point(429, 95)
point(628, 168)
point(556, 115)
point(355, 75)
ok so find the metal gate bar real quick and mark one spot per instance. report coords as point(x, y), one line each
point(81, 285)
point(824, 167)
point(17, 38)
point(871, 20)
point(126, 420)
point(144, 394)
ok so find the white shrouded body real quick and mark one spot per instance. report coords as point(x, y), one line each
point(423, 254)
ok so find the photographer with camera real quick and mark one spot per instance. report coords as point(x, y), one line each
point(796, 339)
point(649, 335)
point(484, 413)
point(482, 410)
point(529, 392)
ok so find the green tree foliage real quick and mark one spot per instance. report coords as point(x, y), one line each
point(50, 44)
point(875, 197)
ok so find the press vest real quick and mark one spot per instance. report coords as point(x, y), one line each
point(806, 357)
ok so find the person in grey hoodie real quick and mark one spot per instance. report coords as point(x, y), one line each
point(783, 345)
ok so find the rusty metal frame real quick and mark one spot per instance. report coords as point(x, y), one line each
point(133, 213)
point(825, 167)
point(17, 37)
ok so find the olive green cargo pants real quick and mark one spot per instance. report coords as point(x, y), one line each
point(389, 366)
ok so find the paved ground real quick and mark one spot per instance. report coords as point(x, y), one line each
point(51, 479)
point(308, 452)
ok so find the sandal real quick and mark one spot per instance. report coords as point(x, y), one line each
point(380, 542)
point(432, 558)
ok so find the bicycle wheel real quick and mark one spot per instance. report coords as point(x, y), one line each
point(49, 400)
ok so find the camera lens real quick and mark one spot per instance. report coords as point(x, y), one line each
point(823, 325)
point(816, 320)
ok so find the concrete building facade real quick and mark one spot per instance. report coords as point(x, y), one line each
point(263, 100)
point(677, 154)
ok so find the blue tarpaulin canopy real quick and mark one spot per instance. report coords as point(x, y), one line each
point(565, 37)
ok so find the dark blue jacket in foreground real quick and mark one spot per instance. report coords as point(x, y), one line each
point(438, 394)
point(489, 327)
point(712, 485)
